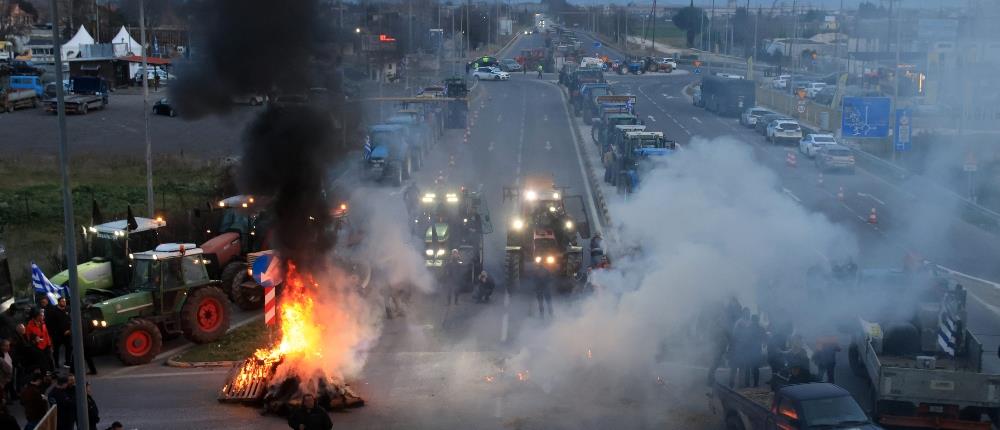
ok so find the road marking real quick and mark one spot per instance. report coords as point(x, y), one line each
point(504, 327)
point(697, 120)
point(545, 117)
point(791, 194)
point(499, 117)
point(548, 145)
point(668, 96)
point(871, 197)
point(651, 118)
point(579, 157)
point(490, 147)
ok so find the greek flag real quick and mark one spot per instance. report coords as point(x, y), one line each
point(948, 326)
point(42, 285)
point(368, 148)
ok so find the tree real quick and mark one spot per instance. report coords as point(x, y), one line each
point(690, 19)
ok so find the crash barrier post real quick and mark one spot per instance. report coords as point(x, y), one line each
point(840, 194)
point(819, 179)
point(791, 160)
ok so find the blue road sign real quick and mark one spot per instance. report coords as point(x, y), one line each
point(597, 45)
point(865, 117)
point(267, 270)
point(904, 127)
point(697, 71)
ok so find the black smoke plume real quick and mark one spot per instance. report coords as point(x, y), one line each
point(246, 47)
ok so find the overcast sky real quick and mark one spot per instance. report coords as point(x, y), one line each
point(832, 4)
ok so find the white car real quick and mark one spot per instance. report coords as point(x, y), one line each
point(490, 74)
point(667, 60)
point(750, 116)
point(784, 131)
point(813, 143)
point(814, 88)
point(781, 81)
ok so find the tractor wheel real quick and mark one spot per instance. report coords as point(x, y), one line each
point(139, 342)
point(205, 315)
point(247, 299)
point(229, 274)
point(512, 266)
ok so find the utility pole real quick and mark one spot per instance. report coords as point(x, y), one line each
point(652, 38)
point(150, 206)
point(711, 19)
point(895, 90)
point(795, 34)
point(409, 28)
point(468, 33)
point(69, 231)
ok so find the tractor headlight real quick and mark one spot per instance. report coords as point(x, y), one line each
point(552, 209)
point(93, 229)
point(429, 252)
point(555, 196)
point(465, 220)
point(451, 198)
point(538, 259)
point(222, 204)
point(569, 225)
point(518, 224)
point(428, 198)
point(441, 252)
point(550, 260)
point(530, 195)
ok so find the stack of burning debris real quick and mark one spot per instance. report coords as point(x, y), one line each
point(277, 377)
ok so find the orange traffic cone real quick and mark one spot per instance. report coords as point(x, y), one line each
point(791, 159)
point(840, 194)
point(873, 217)
point(819, 180)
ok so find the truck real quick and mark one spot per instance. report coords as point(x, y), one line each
point(542, 238)
point(453, 219)
point(925, 366)
point(28, 82)
point(388, 154)
point(801, 406)
point(11, 99)
point(86, 93)
point(727, 96)
point(170, 293)
point(629, 154)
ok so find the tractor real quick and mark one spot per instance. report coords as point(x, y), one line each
point(544, 235)
point(457, 219)
point(170, 294)
point(108, 246)
point(457, 110)
point(243, 229)
point(602, 130)
point(629, 153)
point(389, 154)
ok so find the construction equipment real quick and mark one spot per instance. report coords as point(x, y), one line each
point(542, 238)
point(629, 153)
point(243, 229)
point(457, 219)
point(170, 294)
point(107, 247)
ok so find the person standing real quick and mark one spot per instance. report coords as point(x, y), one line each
point(738, 347)
point(34, 402)
point(156, 80)
point(38, 337)
point(798, 362)
point(756, 336)
point(453, 276)
point(826, 359)
point(540, 71)
point(309, 416)
point(6, 369)
point(58, 323)
point(93, 414)
point(63, 397)
point(543, 293)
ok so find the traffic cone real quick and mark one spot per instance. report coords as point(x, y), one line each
point(791, 159)
point(819, 180)
point(873, 217)
point(451, 160)
point(840, 194)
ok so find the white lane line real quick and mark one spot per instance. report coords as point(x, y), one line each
point(500, 117)
point(668, 96)
point(498, 412)
point(579, 158)
point(651, 118)
point(490, 147)
point(697, 120)
point(866, 195)
point(504, 327)
point(548, 145)
point(791, 194)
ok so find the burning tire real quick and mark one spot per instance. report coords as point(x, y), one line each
point(245, 296)
point(229, 274)
point(139, 342)
point(205, 315)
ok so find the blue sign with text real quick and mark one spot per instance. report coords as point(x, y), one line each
point(865, 117)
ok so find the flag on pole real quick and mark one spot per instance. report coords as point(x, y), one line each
point(42, 285)
point(368, 148)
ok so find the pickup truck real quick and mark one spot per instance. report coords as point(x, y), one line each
point(801, 406)
point(11, 99)
point(86, 92)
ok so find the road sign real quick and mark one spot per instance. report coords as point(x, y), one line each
point(697, 71)
point(970, 164)
point(903, 129)
point(597, 45)
point(801, 108)
point(865, 117)
point(266, 270)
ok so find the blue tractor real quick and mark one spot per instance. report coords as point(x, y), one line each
point(631, 151)
point(417, 133)
point(388, 154)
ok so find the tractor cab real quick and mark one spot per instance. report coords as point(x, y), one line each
point(170, 293)
point(545, 250)
point(617, 136)
point(6, 284)
point(608, 122)
point(648, 143)
point(453, 219)
point(456, 88)
point(108, 246)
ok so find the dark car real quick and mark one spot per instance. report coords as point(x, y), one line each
point(163, 107)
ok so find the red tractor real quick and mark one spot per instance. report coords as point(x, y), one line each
point(242, 229)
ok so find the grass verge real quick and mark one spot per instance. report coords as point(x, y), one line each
point(234, 346)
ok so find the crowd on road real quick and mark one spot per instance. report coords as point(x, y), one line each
point(742, 340)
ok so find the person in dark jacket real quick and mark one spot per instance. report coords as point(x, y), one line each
point(7, 421)
point(756, 336)
point(57, 321)
point(453, 271)
point(93, 414)
point(826, 359)
point(486, 287)
point(33, 400)
point(63, 397)
point(309, 416)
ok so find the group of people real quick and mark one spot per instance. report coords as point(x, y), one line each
point(742, 340)
point(455, 276)
point(45, 342)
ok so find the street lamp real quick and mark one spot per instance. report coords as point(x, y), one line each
point(357, 30)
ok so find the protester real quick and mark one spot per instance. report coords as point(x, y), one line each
point(6, 370)
point(38, 337)
point(7, 421)
point(739, 347)
point(826, 359)
point(93, 414)
point(453, 275)
point(798, 362)
point(777, 347)
point(34, 402)
point(58, 324)
point(543, 293)
point(88, 353)
point(486, 287)
point(309, 416)
point(116, 426)
point(63, 397)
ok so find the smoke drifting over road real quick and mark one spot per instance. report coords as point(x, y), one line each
point(713, 224)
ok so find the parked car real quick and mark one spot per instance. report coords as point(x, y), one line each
point(812, 143)
point(781, 81)
point(761, 125)
point(510, 65)
point(750, 116)
point(814, 88)
point(784, 130)
point(151, 75)
point(831, 157)
point(163, 107)
point(250, 99)
point(669, 61)
point(696, 97)
point(490, 74)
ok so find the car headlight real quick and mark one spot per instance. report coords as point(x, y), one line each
point(530, 195)
point(569, 225)
point(428, 198)
point(550, 259)
point(518, 224)
point(451, 198)
point(429, 252)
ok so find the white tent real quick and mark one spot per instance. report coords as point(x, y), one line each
point(125, 45)
point(72, 48)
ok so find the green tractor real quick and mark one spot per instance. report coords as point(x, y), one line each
point(107, 247)
point(458, 220)
point(170, 294)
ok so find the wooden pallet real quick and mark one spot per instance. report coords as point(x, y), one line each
point(252, 391)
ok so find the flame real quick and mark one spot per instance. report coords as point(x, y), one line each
point(522, 376)
point(590, 354)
